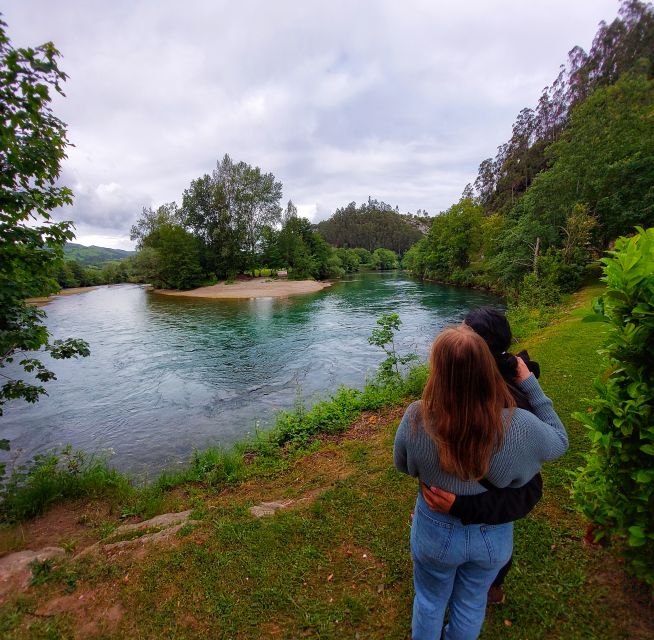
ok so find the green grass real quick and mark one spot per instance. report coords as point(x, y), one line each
point(55, 477)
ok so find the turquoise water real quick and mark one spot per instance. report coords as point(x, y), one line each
point(166, 374)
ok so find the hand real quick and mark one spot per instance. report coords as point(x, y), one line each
point(437, 499)
point(523, 371)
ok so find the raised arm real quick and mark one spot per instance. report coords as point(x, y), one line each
point(552, 440)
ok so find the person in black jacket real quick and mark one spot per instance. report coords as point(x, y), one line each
point(495, 506)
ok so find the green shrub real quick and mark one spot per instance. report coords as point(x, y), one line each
point(615, 489)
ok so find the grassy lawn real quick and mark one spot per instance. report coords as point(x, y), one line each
point(336, 564)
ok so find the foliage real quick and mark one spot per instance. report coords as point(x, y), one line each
point(93, 256)
point(228, 211)
point(53, 477)
point(152, 220)
point(372, 225)
point(615, 489)
point(305, 252)
point(622, 46)
point(604, 159)
point(177, 262)
point(384, 259)
point(31, 244)
point(71, 273)
point(453, 240)
point(577, 171)
point(384, 338)
point(350, 260)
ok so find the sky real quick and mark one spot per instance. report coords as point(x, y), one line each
point(340, 100)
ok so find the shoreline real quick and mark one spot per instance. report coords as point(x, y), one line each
point(252, 288)
point(72, 291)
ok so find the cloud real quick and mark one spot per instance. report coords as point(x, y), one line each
point(340, 100)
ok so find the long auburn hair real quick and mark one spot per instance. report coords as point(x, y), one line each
point(462, 403)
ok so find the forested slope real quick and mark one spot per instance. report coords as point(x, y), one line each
point(577, 171)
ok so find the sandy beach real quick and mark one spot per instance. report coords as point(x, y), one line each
point(39, 302)
point(252, 288)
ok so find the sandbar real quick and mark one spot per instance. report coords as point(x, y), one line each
point(251, 288)
point(39, 302)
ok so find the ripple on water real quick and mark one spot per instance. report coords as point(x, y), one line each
point(169, 374)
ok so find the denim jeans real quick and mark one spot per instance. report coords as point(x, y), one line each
point(453, 565)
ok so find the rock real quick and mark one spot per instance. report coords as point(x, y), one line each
point(15, 570)
point(160, 522)
point(269, 508)
point(158, 536)
point(168, 523)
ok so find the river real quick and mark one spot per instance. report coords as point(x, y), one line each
point(167, 375)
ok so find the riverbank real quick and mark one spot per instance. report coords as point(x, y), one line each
point(251, 288)
point(43, 300)
point(332, 551)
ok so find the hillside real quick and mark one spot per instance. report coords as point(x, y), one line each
point(373, 225)
point(94, 256)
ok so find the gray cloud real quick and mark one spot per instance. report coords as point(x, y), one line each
point(340, 100)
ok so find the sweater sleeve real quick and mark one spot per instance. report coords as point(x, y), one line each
point(400, 446)
point(531, 440)
point(552, 441)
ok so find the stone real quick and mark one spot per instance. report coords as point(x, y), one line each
point(269, 508)
point(15, 570)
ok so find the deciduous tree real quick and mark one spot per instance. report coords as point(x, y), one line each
point(32, 145)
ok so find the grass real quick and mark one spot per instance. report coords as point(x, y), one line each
point(337, 564)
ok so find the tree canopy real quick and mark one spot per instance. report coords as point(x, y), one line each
point(372, 225)
point(31, 243)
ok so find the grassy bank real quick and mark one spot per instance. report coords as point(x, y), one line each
point(335, 564)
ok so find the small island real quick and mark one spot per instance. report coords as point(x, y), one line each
point(251, 288)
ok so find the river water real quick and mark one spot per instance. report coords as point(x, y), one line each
point(167, 375)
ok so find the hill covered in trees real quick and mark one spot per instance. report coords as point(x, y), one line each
point(93, 256)
point(577, 171)
point(373, 225)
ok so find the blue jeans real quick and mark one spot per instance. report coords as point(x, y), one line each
point(453, 564)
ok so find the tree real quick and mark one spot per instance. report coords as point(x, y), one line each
point(372, 225)
point(383, 259)
point(259, 205)
point(178, 264)
point(33, 144)
point(604, 160)
point(151, 220)
point(228, 211)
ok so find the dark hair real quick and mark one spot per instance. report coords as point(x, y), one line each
point(463, 402)
point(494, 328)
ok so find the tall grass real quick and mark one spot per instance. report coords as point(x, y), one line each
point(67, 474)
point(59, 475)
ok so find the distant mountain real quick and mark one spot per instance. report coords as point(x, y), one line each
point(94, 256)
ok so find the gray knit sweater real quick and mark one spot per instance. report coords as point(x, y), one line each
point(530, 439)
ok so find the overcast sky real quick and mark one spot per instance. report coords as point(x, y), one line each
point(399, 100)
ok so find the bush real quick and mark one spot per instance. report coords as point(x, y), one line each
point(615, 489)
point(56, 476)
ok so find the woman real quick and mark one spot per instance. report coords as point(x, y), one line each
point(494, 506)
point(466, 429)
